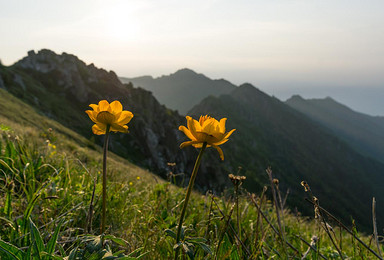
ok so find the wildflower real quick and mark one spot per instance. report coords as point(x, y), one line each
point(138, 178)
point(112, 115)
point(206, 130)
point(203, 133)
point(107, 117)
point(130, 183)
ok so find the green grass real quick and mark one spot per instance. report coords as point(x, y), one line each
point(47, 178)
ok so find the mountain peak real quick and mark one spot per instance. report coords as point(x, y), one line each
point(186, 73)
point(70, 72)
point(247, 89)
point(182, 89)
point(295, 98)
point(247, 86)
point(46, 60)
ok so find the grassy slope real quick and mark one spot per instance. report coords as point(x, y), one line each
point(139, 210)
point(26, 121)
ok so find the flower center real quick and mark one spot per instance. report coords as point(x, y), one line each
point(106, 118)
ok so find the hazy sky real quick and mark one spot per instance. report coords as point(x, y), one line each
point(313, 48)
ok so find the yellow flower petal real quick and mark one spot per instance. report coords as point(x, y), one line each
point(229, 133)
point(195, 126)
point(187, 132)
point(185, 144)
point(92, 115)
point(119, 128)
point(97, 130)
point(192, 125)
point(221, 142)
point(116, 107)
point(220, 152)
point(209, 127)
point(222, 125)
point(125, 117)
point(104, 106)
point(94, 107)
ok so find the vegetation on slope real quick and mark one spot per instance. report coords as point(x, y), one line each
point(48, 178)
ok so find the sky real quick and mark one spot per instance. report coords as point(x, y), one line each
point(307, 47)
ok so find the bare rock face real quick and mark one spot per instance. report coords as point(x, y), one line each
point(71, 74)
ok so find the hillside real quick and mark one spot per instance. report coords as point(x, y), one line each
point(62, 86)
point(47, 179)
point(17, 116)
point(271, 133)
point(182, 89)
point(362, 132)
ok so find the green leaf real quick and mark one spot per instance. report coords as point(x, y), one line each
point(28, 254)
point(36, 238)
point(196, 239)
point(28, 212)
point(52, 242)
point(170, 233)
point(11, 250)
point(61, 249)
point(142, 255)
point(136, 251)
point(205, 247)
point(8, 204)
point(117, 240)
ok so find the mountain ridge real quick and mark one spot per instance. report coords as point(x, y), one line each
point(363, 132)
point(182, 89)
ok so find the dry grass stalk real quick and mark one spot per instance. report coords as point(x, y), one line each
point(275, 201)
point(233, 230)
point(374, 226)
point(269, 222)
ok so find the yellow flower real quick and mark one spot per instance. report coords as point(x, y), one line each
point(130, 183)
point(138, 177)
point(105, 114)
point(208, 130)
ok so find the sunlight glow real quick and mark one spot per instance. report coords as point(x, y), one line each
point(120, 23)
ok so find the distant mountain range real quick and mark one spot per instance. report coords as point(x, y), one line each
point(269, 132)
point(362, 132)
point(182, 89)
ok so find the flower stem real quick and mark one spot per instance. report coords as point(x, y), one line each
point(105, 148)
point(188, 194)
